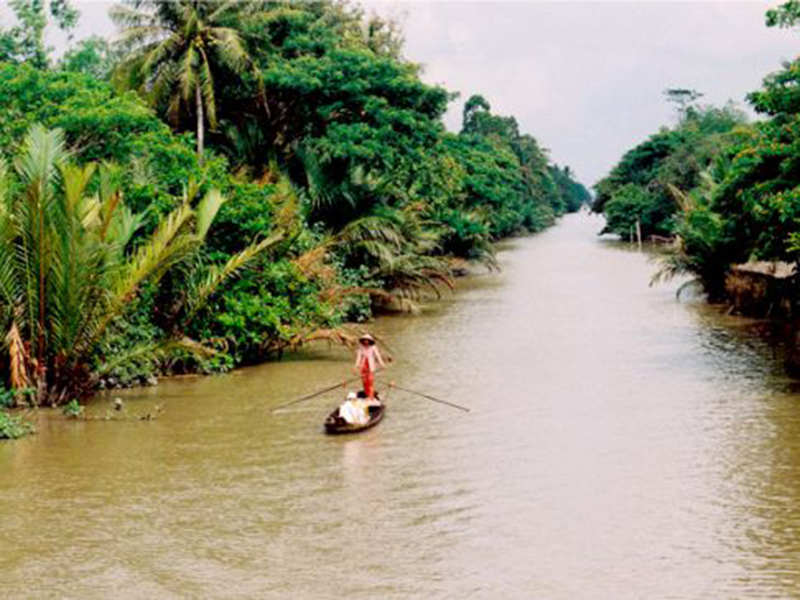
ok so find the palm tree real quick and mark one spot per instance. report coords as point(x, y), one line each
point(395, 245)
point(700, 249)
point(70, 266)
point(374, 223)
point(175, 51)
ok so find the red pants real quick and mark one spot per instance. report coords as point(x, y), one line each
point(368, 380)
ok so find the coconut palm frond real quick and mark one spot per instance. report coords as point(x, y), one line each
point(110, 196)
point(42, 152)
point(10, 281)
point(346, 336)
point(153, 353)
point(380, 252)
point(668, 270)
point(337, 293)
point(207, 211)
point(5, 184)
point(371, 229)
point(313, 264)
point(321, 191)
point(142, 171)
point(38, 213)
point(695, 283)
point(122, 227)
point(188, 76)
point(193, 347)
point(75, 181)
point(683, 200)
point(161, 51)
point(175, 50)
point(224, 6)
point(229, 47)
point(206, 82)
point(164, 248)
point(340, 336)
point(128, 17)
point(150, 352)
point(77, 264)
point(411, 274)
point(287, 216)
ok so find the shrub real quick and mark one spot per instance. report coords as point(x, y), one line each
point(12, 428)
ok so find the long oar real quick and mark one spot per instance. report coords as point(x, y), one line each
point(432, 398)
point(315, 394)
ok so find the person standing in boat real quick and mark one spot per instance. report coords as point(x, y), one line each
point(368, 358)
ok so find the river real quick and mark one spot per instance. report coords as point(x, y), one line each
point(622, 444)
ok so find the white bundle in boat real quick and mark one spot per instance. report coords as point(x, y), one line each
point(354, 411)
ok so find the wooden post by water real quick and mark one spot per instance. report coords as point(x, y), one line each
point(639, 233)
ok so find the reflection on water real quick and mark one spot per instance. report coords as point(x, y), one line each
point(621, 445)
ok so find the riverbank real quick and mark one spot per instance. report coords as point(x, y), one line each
point(759, 293)
point(102, 405)
point(611, 426)
point(318, 198)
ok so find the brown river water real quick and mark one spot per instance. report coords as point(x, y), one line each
point(621, 445)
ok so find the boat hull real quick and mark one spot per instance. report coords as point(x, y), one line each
point(336, 425)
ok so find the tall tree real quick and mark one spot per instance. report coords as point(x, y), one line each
point(26, 42)
point(176, 50)
point(93, 56)
point(71, 266)
point(66, 267)
point(682, 98)
point(786, 15)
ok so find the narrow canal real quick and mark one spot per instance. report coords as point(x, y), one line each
point(621, 445)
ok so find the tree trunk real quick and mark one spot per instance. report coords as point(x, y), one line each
point(200, 123)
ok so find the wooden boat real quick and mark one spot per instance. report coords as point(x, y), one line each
point(335, 424)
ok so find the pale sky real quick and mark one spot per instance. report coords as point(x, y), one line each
point(585, 78)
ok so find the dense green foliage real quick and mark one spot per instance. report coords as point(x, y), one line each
point(729, 193)
point(304, 131)
point(25, 42)
point(72, 264)
point(13, 427)
point(175, 52)
point(639, 187)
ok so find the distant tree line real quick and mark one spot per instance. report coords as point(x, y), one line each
point(726, 190)
point(232, 179)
